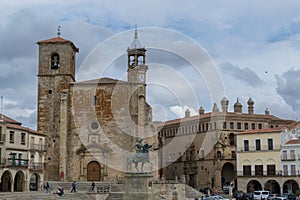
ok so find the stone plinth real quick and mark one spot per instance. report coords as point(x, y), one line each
point(138, 186)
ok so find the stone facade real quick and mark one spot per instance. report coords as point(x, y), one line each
point(91, 126)
point(203, 147)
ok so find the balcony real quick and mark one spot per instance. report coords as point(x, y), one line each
point(36, 166)
point(262, 148)
point(290, 158)
point(260, 173)
point(265, 173)
point(10, 162)
point(37, 147)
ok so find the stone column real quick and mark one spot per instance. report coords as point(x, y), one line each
point(12, 186)
point(63, 130)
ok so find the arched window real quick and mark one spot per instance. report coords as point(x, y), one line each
point(55, 61)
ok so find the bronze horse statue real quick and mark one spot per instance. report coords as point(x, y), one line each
point(142, 157)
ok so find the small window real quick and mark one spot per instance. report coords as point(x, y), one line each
point(284, 154)
point(11, 136)
point(239, 125)
point(292, 154)
point(231, 125)
point(257, 144)
point(285, 170)
point(259, 126)
point(219, 155)
point(246, 126)
point(95, 101)
point(224, 125)
point(270, 144)
point(23, 138)
point(55, 61)
point(293, 170)
point(246, 145)
point(271, 170)
point(247, 170)
point(233, 156)
point(253, 126)
point(259, 170)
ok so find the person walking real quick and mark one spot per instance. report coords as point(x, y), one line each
point(74, 187)
point(47, 187)
point(93, 186)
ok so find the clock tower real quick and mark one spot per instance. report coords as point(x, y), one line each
point(136, 61)
point(136, 73)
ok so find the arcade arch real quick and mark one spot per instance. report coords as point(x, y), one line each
point(6, 180)
point(19, 182)
point(253, 185)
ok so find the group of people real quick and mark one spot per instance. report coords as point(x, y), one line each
point(60, 190)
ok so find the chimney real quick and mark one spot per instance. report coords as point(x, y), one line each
point(201, 111)
point(250, 103)
point(215, 108)
point(267, 112)
point(187, 113)
point(237, 107)
point(224, 103)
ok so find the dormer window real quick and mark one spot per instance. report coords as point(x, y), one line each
point(55, 61)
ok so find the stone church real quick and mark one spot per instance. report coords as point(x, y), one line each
point(91, 126)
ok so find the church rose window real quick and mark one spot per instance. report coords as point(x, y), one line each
point(94, 125)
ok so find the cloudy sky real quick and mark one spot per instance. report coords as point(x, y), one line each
point(251, 48)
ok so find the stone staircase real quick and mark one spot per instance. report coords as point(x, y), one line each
point(109, 191)
point(192, 192)
point(117, 191)
point(46, 196)
point(101, 187)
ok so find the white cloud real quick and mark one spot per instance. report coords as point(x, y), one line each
point(179, 111)
point(247, 34)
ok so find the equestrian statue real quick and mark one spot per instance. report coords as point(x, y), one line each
point(141, 155)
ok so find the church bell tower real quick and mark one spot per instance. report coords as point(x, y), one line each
point(136, 61)
point(56, 70)
point(136, 73)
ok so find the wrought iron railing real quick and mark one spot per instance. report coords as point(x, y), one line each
point(17, 162)
point(37, 147)
point(36, 165)
point(269, 173)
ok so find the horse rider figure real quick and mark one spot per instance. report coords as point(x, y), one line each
point(139, 147)
point(141, 155)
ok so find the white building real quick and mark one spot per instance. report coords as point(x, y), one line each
point(22, 156)
point(290, 155)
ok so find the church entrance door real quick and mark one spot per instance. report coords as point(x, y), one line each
point(94, 171)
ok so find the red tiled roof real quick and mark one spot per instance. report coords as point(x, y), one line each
point(103, 80)
point(265, 130)
point(54, 40)
point(220, 114)
point(293, 142)
point(58, 40)
point(9, 120)
point(23, 128)
point(293, 125)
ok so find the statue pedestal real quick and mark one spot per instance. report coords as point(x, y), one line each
point(138, 186)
